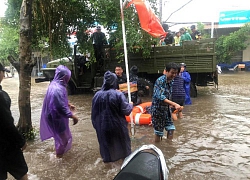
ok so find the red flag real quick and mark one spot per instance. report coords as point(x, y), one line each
point(149, 22)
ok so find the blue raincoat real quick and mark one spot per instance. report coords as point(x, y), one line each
point(56, 112)
point(187, 79)
point(109, 108)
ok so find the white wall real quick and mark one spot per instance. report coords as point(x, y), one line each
point(246, 53)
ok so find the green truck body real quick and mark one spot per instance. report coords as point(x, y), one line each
point(199, 56)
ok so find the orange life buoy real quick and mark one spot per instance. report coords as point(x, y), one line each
point(138, 114)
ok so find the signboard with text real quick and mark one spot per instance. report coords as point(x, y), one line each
point(234, 17)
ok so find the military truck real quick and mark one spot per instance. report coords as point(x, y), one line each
point(199, 56)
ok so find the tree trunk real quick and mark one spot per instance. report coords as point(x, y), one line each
point(14, 63)
point(26, 66)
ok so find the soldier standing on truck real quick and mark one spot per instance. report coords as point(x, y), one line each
point(99, 39)
point(169, 39)
point(185, 36)
point(196, 35)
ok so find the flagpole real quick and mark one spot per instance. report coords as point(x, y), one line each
point(126, 64)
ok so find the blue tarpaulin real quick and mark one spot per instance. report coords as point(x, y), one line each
point(226, 67)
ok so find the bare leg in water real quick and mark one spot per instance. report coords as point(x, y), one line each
point(158, 138)
point(170, 134)
point(25, 177)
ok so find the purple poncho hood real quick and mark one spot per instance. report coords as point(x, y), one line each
point(62, 74)
point(110, 81)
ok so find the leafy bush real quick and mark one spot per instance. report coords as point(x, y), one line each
point(228, 46)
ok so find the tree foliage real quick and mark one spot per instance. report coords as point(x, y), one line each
point(9, 39)
point(55, 20)
point(200, 28)
point(228, 46)
point(9, 35)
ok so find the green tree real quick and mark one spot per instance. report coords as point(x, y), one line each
point(9, 39)
point(10, 33)
point(200, 27)
point(228, 46)
point(35, 23)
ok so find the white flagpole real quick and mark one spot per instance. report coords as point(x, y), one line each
point(126, 64)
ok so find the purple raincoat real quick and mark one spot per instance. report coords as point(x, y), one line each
point(109, 108)
point(56, 112)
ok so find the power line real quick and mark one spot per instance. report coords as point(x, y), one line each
point(178, 9)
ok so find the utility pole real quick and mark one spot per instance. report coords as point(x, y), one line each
point(160, 7)
point(212, 29)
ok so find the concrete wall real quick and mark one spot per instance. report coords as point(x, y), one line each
point(246, 53)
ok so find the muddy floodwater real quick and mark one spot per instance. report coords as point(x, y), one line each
point(211, 142)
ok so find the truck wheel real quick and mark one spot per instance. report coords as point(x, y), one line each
point(71, 88)
point(142, 90)
point(193, 90)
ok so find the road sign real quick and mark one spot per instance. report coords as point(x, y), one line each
point(234, 17)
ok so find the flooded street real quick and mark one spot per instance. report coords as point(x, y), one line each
point(211, 142)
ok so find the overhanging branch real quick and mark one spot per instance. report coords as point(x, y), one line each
point(14, 62)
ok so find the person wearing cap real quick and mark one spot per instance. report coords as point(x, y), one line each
point(169, 39)
point(2, 68)
point(187, 80)
point(134, 79)
point(196, 35)
point(12, 142)
point(162, 103)
point(185, 36)
point(99, 40)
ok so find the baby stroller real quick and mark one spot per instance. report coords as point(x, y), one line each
point(145, 163)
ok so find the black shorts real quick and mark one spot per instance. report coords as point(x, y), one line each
point(178, 100)
point(13, 162)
